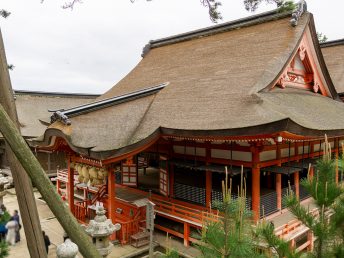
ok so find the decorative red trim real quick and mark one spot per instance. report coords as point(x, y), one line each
point(308, 79)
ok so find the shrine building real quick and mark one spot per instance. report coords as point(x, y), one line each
point(252, 93)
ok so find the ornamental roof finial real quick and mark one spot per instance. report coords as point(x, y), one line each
point(300, 9)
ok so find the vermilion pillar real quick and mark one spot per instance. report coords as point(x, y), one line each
point(111, 195)
point(70, 187)
point(256, 193)
point(111, 198)
point(208, 188)
point(186, 234)
point(279, 191)
point(255, 184)
point(337, 173)
point(297, 184)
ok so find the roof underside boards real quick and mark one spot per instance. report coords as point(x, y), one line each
point(215, 83)
point(334, 59)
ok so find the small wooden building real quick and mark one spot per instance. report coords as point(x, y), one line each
point(34, 116)
point(254, 92)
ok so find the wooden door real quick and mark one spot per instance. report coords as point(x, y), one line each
point(129, 174)
point(163, 175)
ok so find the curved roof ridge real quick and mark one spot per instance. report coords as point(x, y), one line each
point(219, 28)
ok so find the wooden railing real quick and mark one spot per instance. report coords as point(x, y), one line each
point(101, 192)
point(80, 211)
point(129, 228)
point(184, 213)
point(62, 175)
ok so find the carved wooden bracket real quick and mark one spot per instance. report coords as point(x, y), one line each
point(302, 72)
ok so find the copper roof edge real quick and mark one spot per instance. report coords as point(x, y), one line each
point(86, 108)
point(223, 27)
point(332, 43)
point(56, 94)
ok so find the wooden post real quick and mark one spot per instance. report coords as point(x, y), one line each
point(310, 238)
point(256, 193)
point(337, 171)
point(208, 188)
point(22, 183)
point(297, 184)
point(70, 187)
point(279, 191)
point(311, 172)
point(186, 234)
point(45, 187)
point(112, 198)
point(255, 184)
point(171, 182)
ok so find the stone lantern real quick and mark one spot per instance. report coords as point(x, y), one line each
point(100, 229)
point(67, 250)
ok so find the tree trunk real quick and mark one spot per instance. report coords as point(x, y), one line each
point(22, 183)
point(45, 187)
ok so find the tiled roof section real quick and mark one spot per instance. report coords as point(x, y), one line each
point(333, 52)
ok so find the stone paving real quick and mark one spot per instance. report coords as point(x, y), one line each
point(52, 228)
point(55, 232)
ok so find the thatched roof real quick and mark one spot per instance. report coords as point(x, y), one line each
point(33, 106)
point(218, 80)
point(333, 52)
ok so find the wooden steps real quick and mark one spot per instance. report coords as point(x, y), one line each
point(140, 239)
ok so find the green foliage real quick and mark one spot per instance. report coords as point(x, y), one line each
point(280, 247)
point(171, 253)
point(328, 196)
point(286, 6)
point(213, 6)
point(4, 13)
point(4, 252)
point(10, 67)
point(321, 37)
point(232, 235)
point(5, 217)
point(283, 5)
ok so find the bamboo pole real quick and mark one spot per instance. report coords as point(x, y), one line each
point(22, 183)
point(45, 187)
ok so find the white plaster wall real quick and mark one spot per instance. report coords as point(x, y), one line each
point(285, 152)
point(303, 148)
point(267, 155)
point(189, 150)
point(226, 154)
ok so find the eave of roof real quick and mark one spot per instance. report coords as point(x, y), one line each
point(104, 103)
point(332, 43)
point(56, 94)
